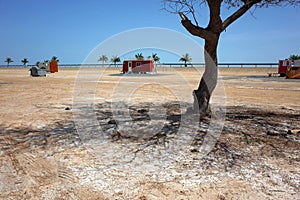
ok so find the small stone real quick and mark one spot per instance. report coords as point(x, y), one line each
point(290, 132)
point(41, 126)
point(67, 108)
point(273, 133)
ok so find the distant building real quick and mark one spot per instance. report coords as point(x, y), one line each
point(138, 66)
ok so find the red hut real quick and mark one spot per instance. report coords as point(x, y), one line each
point(138, 66)
point(283, 65)
point(53, 66)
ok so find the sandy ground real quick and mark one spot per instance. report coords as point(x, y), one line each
point(45, 153)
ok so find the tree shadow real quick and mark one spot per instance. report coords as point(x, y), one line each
point(248, 126)
point(17, 139)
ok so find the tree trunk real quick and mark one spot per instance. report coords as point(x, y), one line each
point(209, 79)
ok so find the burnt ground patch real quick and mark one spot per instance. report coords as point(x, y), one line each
point(248, 131)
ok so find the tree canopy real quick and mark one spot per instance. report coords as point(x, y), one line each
point(8, 60)
point(190, 8)
point(25, 61)
point(115, 59)
point(54, 58)
point(103, 59)
point(185, 58)
point(155, 57)
point(139, 56)
point(294, 57)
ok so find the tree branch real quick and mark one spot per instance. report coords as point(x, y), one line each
point(242, 10)
point(191, 9)
point(191, 28)
point(184, 6)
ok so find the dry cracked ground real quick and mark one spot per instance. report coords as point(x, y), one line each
point(94, 134)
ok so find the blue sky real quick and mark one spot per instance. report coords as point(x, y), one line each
point(71, 29)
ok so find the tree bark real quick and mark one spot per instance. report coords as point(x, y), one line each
point(209, 79)
point(211, 35)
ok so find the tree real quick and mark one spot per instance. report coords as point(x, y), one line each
point(54, 58)
point(187, 9)
point(294, 57)
point(115, 60)
point(154, 57)
point(185, 58)
point(25, 61)
point(8, 60)
point(103, 59)
point(139, 56)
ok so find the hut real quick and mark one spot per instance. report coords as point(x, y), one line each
point(53, 66)
point(138, 66)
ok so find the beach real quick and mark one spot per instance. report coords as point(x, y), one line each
point(51, 149)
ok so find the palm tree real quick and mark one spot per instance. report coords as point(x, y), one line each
point(294, 57)
point(103, 59)
point(139, 56)
point(154, 57)
point(115, 60)
point(185, 58)
point(25, 61)
point(8, 60)
point(54, 58)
